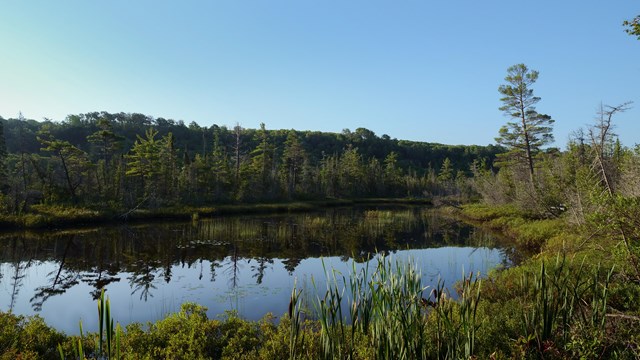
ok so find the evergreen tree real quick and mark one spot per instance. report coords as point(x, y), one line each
point(105, 143)
point(351, 172)
point(168, 167)
point(144, 161)
point(74, 161)
point(293, 158)
point(530, 130)
point(446, 171)
point(392, 173)
point(261, 163)
point(105, 140)
point(3, 158)
point(220, 168)
point(238, 155)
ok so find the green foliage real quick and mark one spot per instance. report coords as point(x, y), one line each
point(75, 162)
point(27, 338)
point(388, 316)
point(296, 336)
point(132, 161)
point(446, 171)
point(48, 215)
point(144, 160)
point(293, 160)
point(633, 26)
point(530, 131)
point(185, 335)
point(3, 159)
point(105, 140)
point(533, 235)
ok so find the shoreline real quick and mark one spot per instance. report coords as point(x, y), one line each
point(57, 217)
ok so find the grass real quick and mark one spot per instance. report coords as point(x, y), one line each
point(389, 314)
point(43, 216)
point(526, 231)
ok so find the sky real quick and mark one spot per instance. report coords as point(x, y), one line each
point(415, 70)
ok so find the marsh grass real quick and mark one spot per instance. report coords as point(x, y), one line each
point(106, 341)
point(559, 296)
point(387, 310)
point(296, 337)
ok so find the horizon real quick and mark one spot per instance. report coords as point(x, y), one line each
point(417, 72)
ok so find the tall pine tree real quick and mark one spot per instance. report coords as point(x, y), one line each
point(529, 130)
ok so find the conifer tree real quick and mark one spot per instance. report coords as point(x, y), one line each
point(530, 130)
point(3, 157)
point(293, 158)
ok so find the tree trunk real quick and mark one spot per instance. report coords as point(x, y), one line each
point(72, 190)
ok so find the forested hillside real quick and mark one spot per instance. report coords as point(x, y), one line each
point(125, 160)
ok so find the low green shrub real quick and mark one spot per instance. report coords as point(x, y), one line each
point(27, 338)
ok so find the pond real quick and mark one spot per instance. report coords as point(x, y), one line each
point(248, 264)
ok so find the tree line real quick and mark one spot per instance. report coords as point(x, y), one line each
point(128, 160)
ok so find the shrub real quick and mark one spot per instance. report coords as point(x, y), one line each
point(27, 338)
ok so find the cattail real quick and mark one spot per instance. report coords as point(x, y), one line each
point(291, 307)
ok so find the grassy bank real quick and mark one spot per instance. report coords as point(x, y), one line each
point(566, 254)
point(43, 216)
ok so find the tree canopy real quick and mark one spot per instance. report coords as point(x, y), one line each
point(129, 160)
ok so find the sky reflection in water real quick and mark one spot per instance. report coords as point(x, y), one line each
point(248, 264)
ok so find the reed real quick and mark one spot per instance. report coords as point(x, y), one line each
point(386, 308)
point(296, 338)
point(456, 321)
point(107, 341)
point(106, 326)
point(332, 323)
point(559, 296)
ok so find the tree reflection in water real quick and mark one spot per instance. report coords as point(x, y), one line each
point(214, 265)
point(17, 275)
point(60, 281)
point(149, 255)
point(261, 265)
point(233, 269)
point(141, 280)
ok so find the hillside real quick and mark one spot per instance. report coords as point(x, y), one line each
point(123, 160)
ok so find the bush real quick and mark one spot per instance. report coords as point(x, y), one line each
point(27, 338)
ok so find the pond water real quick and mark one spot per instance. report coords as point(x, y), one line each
point(244, 263)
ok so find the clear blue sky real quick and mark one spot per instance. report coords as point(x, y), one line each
point(418, 70)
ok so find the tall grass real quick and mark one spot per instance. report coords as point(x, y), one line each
point(559, 295)
point(456, 320)
point(107, 341)
point(296, 337)
point(388, 310)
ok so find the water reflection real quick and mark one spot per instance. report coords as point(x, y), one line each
point(242, 263)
